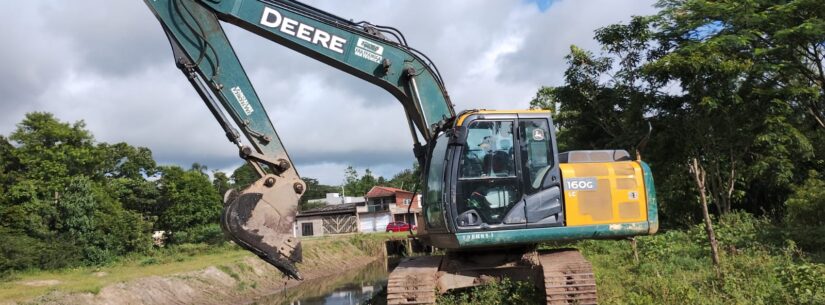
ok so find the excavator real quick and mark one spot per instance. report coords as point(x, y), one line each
point(494, 185)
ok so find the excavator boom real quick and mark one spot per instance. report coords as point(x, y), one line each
point(260, 218)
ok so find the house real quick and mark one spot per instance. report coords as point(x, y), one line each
point(384, 205)
point(329, 219)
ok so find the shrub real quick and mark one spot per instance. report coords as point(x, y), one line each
point(21, 252)
point(805, 281)
point(805, 216)
point(209, 234)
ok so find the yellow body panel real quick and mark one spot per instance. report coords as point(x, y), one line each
point(603, 193)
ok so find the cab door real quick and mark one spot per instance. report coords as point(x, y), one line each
point(488, 188)
point(539, 167)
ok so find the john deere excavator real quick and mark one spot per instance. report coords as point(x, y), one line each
point(494, 184)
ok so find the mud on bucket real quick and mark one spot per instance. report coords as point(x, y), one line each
point(260, 219)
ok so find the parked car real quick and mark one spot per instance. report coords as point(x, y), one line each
point(399, 226)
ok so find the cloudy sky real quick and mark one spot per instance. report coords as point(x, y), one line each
point(108, 63)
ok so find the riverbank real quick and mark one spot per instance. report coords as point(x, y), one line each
point(199, 275)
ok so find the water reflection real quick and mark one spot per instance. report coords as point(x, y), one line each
point(349, 288)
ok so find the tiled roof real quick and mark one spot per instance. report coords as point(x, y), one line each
point(329, 209)
point(384, 191)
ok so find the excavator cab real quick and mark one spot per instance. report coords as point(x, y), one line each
point(497, 179)
point(501, 173)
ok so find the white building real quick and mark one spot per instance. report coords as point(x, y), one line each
point(336, 198)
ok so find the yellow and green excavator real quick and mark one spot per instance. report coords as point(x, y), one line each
point(494, 184)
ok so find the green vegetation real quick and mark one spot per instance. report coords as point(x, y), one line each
point(27, 285)
point(735, 87)
point(320, 255)
point(738, 87)
point(69, 201)
point(805, 214)
point(504, 291)
point(359, 185)
point(58, 208)
point(759, 266)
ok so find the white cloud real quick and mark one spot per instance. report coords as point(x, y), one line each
point(112, 67)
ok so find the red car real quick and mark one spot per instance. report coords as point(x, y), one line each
point(399, 226)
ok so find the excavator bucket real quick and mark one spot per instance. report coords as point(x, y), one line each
point(260, 219)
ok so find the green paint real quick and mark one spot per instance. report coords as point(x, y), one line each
point(652, 204)
point(538, 235)
point(352, 51)
point(217, 63)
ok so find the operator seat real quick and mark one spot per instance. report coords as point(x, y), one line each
point(498, 164)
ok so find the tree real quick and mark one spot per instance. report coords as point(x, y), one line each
point(200, 168)
point(244, 176)
point(781, 41)
point(356, 185)
point(95, 222)
point(315, 190)
point(122, 160)
point(806, 212)
point(408, 179)
point(69, 201)
point(76, 208)
point(50, 151)
point(138, 195)
point(744, 116)
point(350, 179)
point(221, 182)
point(749, 130)
point(700, 176)
point(190, 205)
point(8, 165)
point(22, 252)
point(366, 182)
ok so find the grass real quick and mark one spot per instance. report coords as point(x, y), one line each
point(759, 265)
point(229, 271)
point(183, 258)
point(92, 279)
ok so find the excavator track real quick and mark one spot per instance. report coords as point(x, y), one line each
point(414, 281)
point(568, 278)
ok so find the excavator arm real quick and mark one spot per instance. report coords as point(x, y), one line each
point(260, 218)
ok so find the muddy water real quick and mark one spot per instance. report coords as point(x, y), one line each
point(362, 286)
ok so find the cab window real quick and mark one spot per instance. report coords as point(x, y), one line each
point(488, 185)
point(489, 150)
point(536, 152)
point(433, 211)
